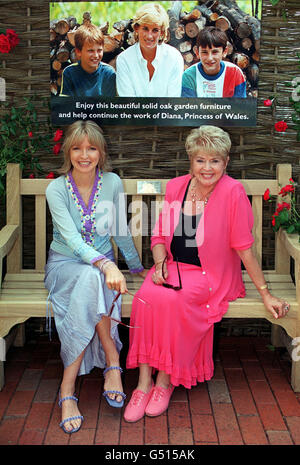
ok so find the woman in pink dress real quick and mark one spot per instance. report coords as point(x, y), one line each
point(202, 235)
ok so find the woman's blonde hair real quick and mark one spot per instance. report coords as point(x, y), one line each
point(152, 13)
point(75, 134)
point(209, 138)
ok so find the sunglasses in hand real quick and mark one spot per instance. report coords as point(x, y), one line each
point(170, 286)
point(113, 305)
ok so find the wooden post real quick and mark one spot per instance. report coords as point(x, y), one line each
point(276, 336)
point(2, 379)
point(14, 215)
point(282, 258)
point(295, 374)
point(257, 230)
point(40, 232)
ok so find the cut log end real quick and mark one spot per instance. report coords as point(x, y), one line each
point(223, 23)
point(62, 27)
point(241, 60)
point(243, 30)
point(192, 16)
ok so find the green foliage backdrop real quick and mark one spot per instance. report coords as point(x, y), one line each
point(115, 10)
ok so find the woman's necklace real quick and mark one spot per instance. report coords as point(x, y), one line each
point(197, 199)
point(85, 190)
point(85, 194)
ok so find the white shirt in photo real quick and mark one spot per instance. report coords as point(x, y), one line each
point(133, 75)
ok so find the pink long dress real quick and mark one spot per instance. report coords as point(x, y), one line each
point(174, 332)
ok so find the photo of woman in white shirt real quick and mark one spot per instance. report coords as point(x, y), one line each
point(150, 67)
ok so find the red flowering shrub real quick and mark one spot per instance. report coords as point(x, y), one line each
point(50, 175)
point(286, 215)
point(267, 194)
point(5, 46)
point(280, 126)
point(58, 135)
point(8, 40)
point(287, 190)
point(281, 206)
point(23, 137)
point(12, 37)
point(268, 103)
point(56, 148)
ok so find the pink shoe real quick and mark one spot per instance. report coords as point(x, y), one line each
point(135, 409)
point(159, 401)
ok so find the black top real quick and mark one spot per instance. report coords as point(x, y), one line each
point(183, 246)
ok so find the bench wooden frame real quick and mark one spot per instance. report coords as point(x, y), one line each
point(22, 294)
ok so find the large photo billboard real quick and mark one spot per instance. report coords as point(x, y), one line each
point(182, 63)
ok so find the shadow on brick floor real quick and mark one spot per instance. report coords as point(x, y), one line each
point(249, 401)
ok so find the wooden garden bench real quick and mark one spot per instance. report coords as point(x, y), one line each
point(22, 294)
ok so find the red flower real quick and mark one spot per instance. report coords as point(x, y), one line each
point(282, 205)
point(280, 126)
point(5, 46)
point(286, 190)
point(31, 176)
point(291, 180)
point(50, 175)
point(30, 134)
point(267, 194)
point(56, 148)
point(273, 221)
point(58, 135)
point(12, 37)
point(268, 103)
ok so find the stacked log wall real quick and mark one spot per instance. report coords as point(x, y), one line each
point(242, 31)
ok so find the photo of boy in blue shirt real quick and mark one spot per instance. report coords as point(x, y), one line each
point(88, 77)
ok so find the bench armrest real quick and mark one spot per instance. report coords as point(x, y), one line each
point(291, 244)
point(8, 235)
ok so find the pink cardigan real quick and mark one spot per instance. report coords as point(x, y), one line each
point(224, 227)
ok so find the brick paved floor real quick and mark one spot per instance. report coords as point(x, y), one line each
point(249, 402)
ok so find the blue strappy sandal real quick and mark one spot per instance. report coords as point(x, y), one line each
point(113, 402)
point(74, 430)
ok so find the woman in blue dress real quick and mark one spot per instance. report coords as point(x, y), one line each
point(87, 206)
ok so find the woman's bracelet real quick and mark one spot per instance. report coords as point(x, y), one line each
point(261, 288)
point(104, 263)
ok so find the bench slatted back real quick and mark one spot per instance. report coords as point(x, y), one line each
point(18, 187)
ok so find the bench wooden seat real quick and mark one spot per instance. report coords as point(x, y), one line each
point(22, 294)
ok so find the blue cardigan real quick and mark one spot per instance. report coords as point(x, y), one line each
point(84, 231)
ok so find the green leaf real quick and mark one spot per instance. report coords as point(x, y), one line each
point(284, 13)
point(283, 216)
point(271, 347)
point(291, 229)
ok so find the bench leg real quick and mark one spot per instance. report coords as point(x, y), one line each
point(276, 336)
point(295, 374)
point(20, 336)
point(1, 375)
point(2, 358)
